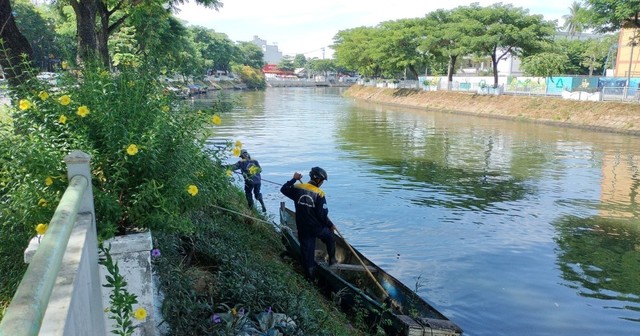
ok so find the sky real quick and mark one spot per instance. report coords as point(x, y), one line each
point(308, 27)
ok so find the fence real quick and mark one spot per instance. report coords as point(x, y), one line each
point(60, 292)
point(621, 94)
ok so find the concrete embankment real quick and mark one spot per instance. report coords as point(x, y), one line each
point(603, 116)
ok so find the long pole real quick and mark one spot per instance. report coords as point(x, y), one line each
point(386, 294)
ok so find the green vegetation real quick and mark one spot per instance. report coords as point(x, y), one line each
point(151, 169)
point(230, 271)
point(221, 272)
point(436, 41)
point(443, 41)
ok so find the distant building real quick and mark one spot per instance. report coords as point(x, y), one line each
point(271, 53)
point(271, 71)
point(628, 59)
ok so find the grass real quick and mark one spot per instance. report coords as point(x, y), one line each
point(233, 264)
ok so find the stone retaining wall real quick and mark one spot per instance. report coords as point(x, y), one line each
point(603, 116)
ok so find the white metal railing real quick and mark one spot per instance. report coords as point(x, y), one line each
point(60, 293)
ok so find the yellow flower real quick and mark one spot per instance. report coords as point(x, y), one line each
point(24, 104)
point(42, 202)
point(130, 83)
point(43, 95)
point(192, 190)
point(165, 108)
point(140, 314)
point(132, 149)
point(83, 111)
point(234, 312)
point(65, 100)
point(48, 181)
point(216, 120)
point(64, 64)
point(41, 228)
point(229, 172)
point(236, 151)
point(104, 73)
point(62, 119)
point(239, 144)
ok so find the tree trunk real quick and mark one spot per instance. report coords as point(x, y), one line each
point(452, 65)
point(86, 25)
point(103, 34)
point(494, 62)
point(413, 71)
point(14, 45)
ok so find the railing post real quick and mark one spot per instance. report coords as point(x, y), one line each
point(78, 163)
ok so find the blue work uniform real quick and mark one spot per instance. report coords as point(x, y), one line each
point(252, 181)
point(312, 221)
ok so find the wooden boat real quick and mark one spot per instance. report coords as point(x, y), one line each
point(387, 302)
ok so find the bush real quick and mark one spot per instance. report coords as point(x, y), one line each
point(149, 162)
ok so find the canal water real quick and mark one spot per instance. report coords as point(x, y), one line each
point(506, 227)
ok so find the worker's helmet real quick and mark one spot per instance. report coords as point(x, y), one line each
point(244, 153)
point(317, 172)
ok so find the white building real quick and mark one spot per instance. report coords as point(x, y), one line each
point(271, 53)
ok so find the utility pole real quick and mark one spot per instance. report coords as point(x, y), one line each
point(633, 43)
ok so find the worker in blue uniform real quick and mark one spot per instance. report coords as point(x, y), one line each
point(250, 169)
point(312, 220)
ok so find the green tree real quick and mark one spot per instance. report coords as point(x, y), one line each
point(250, 55)
point(573, 49)
point(354, 48)
point(286, 63)
point(545, 64)
point(13, 45)
point(39, 29)
point(610, 15)
point(299, 61)
point(218, 51)
point(396, 46)
point(502, 30)
point(595, 53)
point(253, 78)
point(446, 34)
point(321, 66)
point(575, 21)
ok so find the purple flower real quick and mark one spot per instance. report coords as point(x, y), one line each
point(269, 311)
point(241, 312)
point(155, 253)
point(215, 318)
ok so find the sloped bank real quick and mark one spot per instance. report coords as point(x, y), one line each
point(601, 116)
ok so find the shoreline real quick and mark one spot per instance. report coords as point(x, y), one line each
point(617, 117)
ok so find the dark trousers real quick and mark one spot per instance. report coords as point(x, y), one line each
point(250, 187)
point(308, 248)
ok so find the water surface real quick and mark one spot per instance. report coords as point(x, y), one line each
point(508, 228)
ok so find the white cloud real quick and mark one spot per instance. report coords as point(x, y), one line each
point(304, 26)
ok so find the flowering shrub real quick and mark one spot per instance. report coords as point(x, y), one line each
point(149, 162)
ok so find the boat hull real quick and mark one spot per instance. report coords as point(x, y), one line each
point(360, 286)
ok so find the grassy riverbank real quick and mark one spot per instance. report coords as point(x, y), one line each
point(220, 271)
point(604, 116)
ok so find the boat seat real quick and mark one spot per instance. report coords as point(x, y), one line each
point(350, 267)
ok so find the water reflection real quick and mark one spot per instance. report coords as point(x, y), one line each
point(504, 221)
point(600, 258)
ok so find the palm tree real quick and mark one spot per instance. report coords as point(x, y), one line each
point(574, 21)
